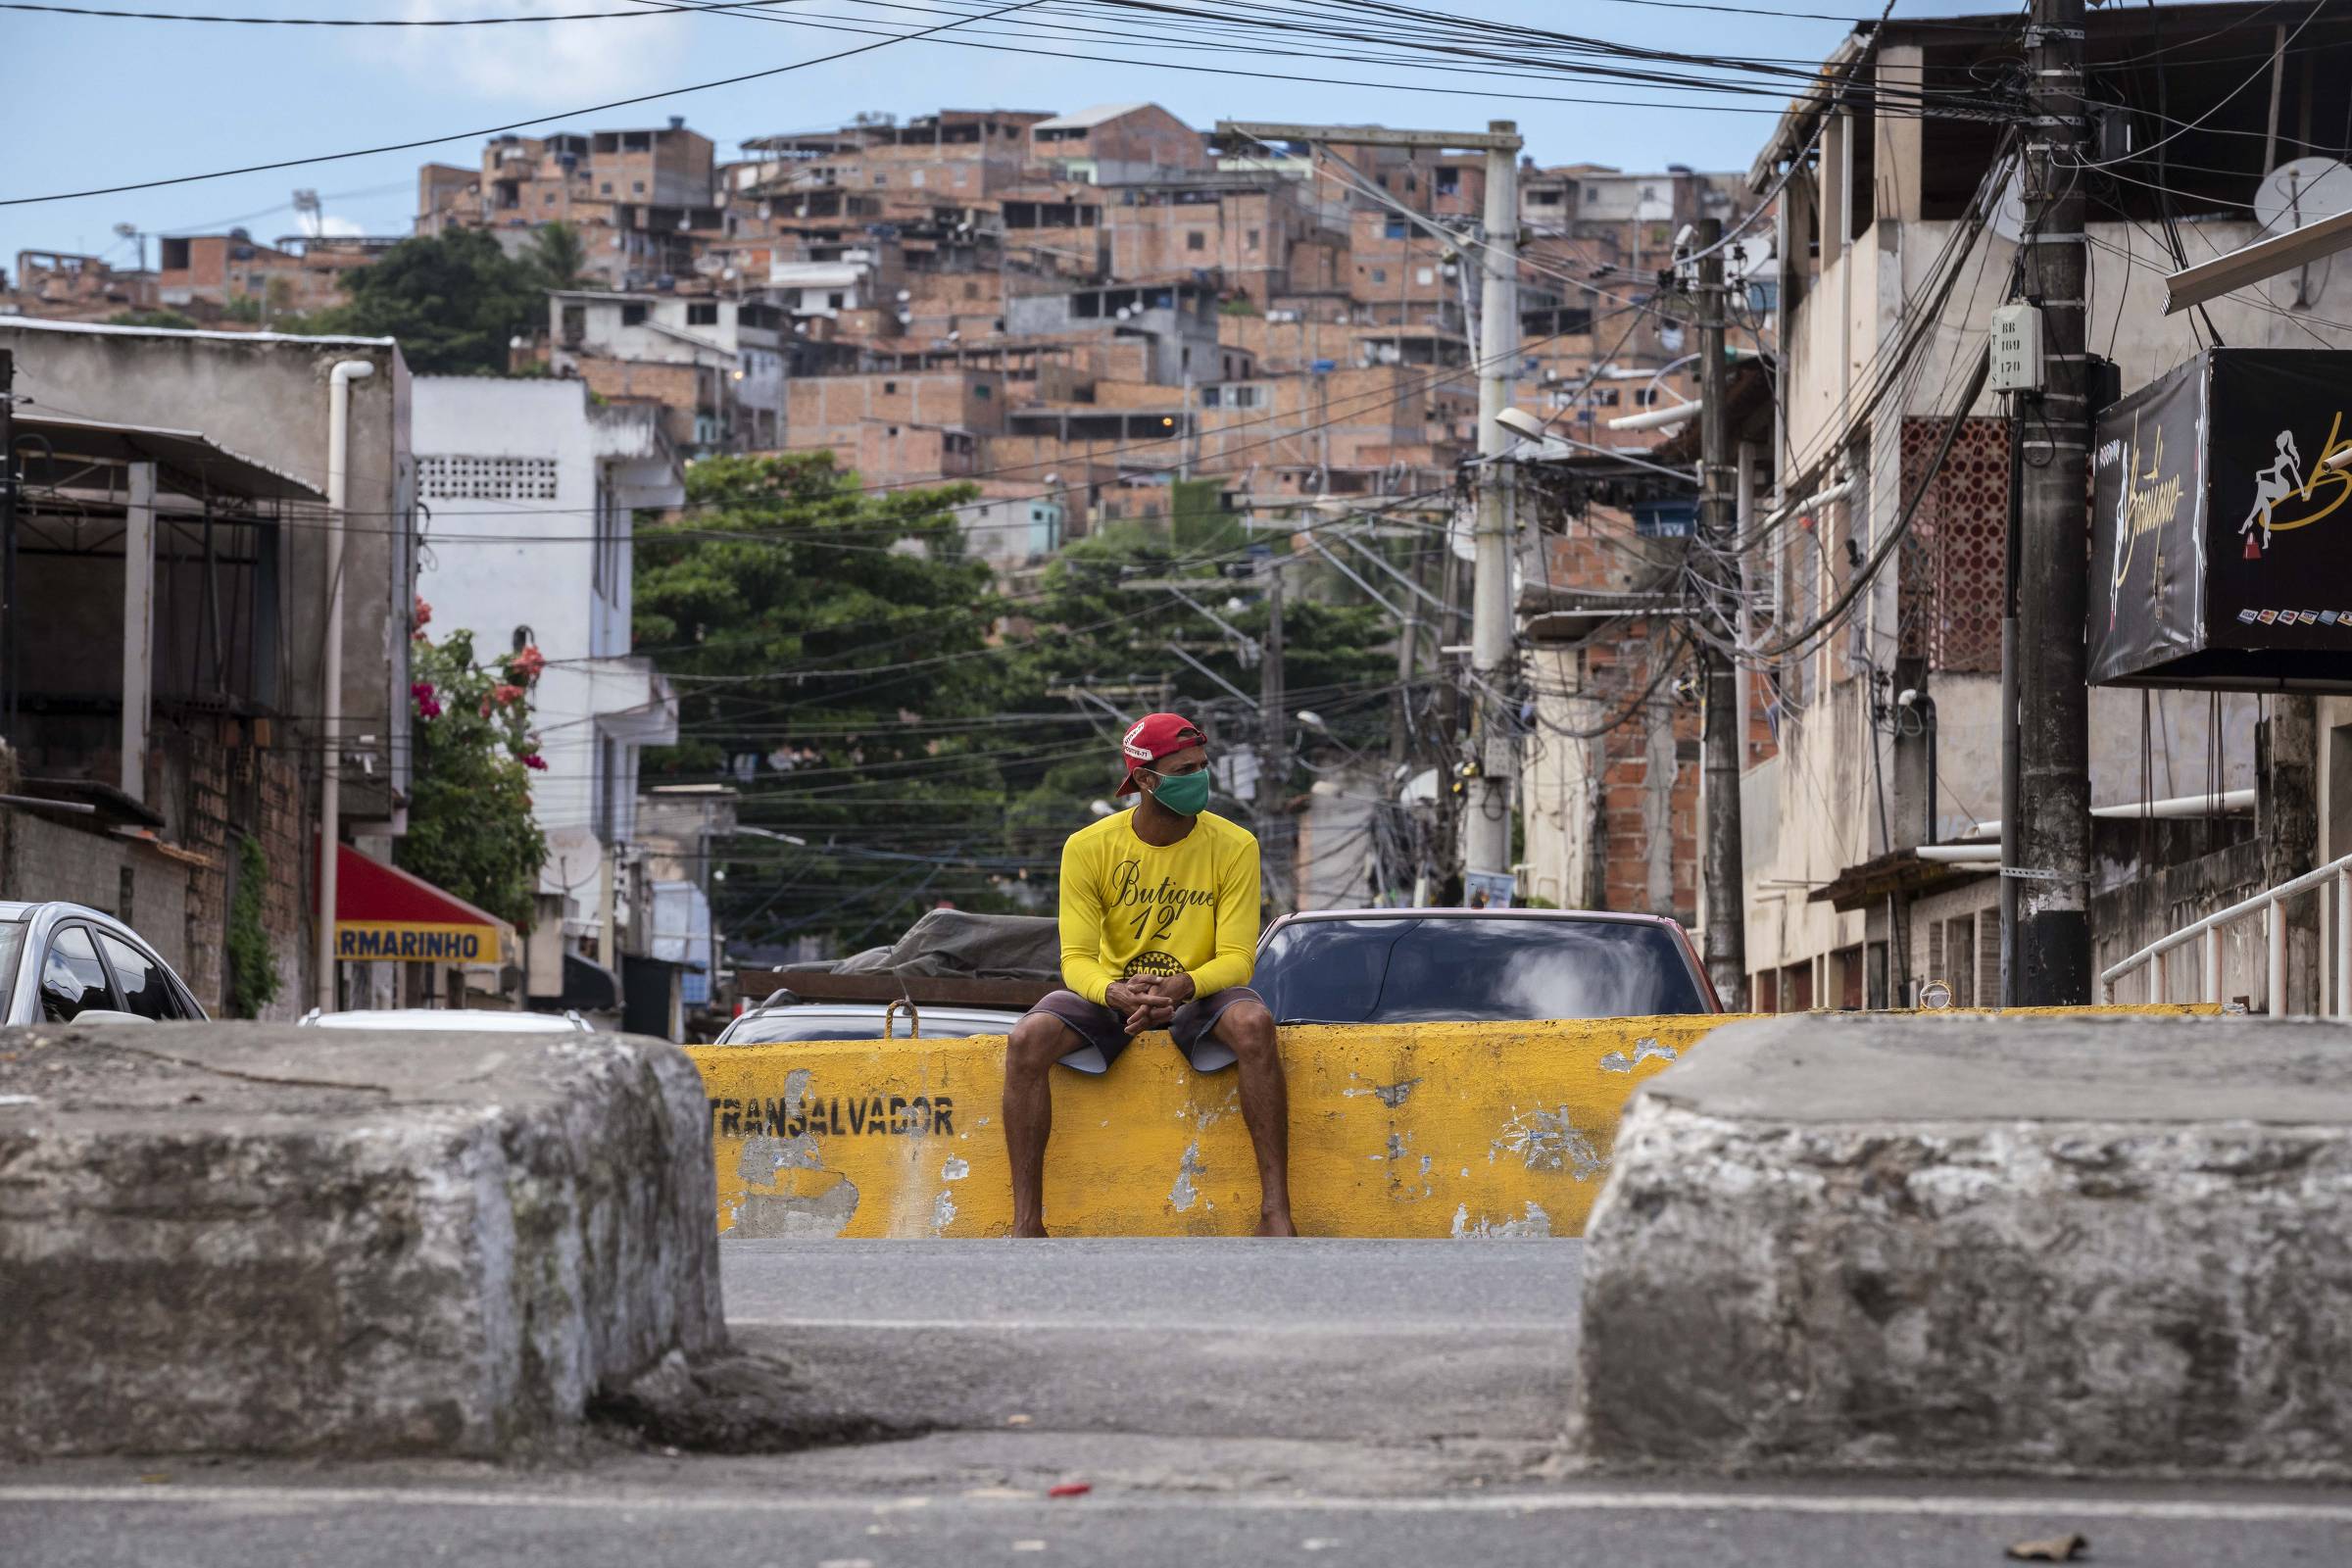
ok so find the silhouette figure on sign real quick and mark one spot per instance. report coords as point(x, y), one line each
point(2274, 484)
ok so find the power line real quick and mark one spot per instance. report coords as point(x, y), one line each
point(494, 131)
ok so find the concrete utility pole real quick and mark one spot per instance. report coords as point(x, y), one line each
point(8, 545)
point(1722, 875)
point(1273, 759)
point(1487, 805)
point(1486, 815)
point(2049, 844)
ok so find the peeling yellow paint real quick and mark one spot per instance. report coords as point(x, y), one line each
point(1398, 1130)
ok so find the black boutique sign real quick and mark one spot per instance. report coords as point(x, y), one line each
point(2220, 540)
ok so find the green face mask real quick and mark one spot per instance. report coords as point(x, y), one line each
point(1187, 794)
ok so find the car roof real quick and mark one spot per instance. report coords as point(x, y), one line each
point(875, 1009)
point(54, 909)
point(1617, 916)
point(469, 1020)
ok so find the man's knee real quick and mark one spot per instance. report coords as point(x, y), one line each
point(1249, 1029)
point(1035, 1044)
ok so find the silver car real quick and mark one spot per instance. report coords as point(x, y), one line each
point(61, 962)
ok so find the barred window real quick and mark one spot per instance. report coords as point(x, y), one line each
point(462, 478)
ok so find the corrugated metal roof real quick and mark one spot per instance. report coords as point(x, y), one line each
point(188, 452)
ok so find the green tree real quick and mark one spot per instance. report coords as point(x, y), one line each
point(1097, 628)
point(471, 829)
point(557, 257)
point(830, 648)
point(453, 300)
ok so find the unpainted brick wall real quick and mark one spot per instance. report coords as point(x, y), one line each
point(50, 860)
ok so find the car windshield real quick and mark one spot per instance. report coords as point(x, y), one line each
point(780, 1027)
point(1491, 968)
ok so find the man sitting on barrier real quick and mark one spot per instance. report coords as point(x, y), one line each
point(1160, 909)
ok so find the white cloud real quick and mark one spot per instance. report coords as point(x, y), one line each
point(332, 227)
point(542, 63)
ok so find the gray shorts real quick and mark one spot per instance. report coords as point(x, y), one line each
point(1103, 1032)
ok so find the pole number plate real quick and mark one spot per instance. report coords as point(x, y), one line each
point(2016, 349)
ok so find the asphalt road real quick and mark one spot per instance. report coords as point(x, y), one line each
point(1226, 1402)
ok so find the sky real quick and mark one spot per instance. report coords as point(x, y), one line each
point(90, 101)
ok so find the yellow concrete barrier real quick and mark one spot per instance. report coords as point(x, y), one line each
point(1396, 1130)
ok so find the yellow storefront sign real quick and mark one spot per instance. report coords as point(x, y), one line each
point(410, 942)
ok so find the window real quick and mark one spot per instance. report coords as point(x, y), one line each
point(702, 312)
point(632, 315)
point(1425, 276)
point(917, 178)
point(834, 300)
point(605, 189)
point(145, 990)
point(468, 478)
point(548, 199)
point(73, 980)
point(980, 390)
point(638, 187)
point(1249, 239)
point(1393, 229)
point(1380, 274)
point(890, 389)
point(1448, 182)
point(1606, 397)
point(881, 180)
point(1195, 240)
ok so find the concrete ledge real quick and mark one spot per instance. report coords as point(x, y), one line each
point(2095, 1245)
point(264, 1239)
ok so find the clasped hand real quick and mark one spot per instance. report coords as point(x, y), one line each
point(1149, 1001)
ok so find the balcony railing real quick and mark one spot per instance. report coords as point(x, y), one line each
point(2336, 977)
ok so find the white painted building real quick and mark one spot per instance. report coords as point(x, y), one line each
point(732, 352)
point(531, 490)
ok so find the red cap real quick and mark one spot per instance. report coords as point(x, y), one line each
point(1153, 737)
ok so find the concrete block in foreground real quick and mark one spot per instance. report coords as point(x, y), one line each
point(1981, 1243)
point(264, 1239)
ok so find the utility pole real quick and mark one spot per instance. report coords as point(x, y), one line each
point(1487, 819)
point(1273, 762)
point(2047, 846)
point(1486, 841)
point(1723, 878)
point(8, 545)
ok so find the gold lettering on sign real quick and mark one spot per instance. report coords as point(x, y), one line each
point(2339, 480)
point(2147, 502)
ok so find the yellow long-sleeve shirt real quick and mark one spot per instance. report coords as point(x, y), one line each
point(1134, 908)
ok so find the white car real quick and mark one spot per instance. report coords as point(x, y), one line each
point(775, 1022)
point(450, 1020)
point(61, 961)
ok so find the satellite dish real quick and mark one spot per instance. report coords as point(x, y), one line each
point(2009, 207)
point(904, 296)
point(2301, 191)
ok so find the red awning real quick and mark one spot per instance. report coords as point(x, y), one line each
point(384, 915)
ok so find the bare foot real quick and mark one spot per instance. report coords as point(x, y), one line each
point(1276, 1225)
